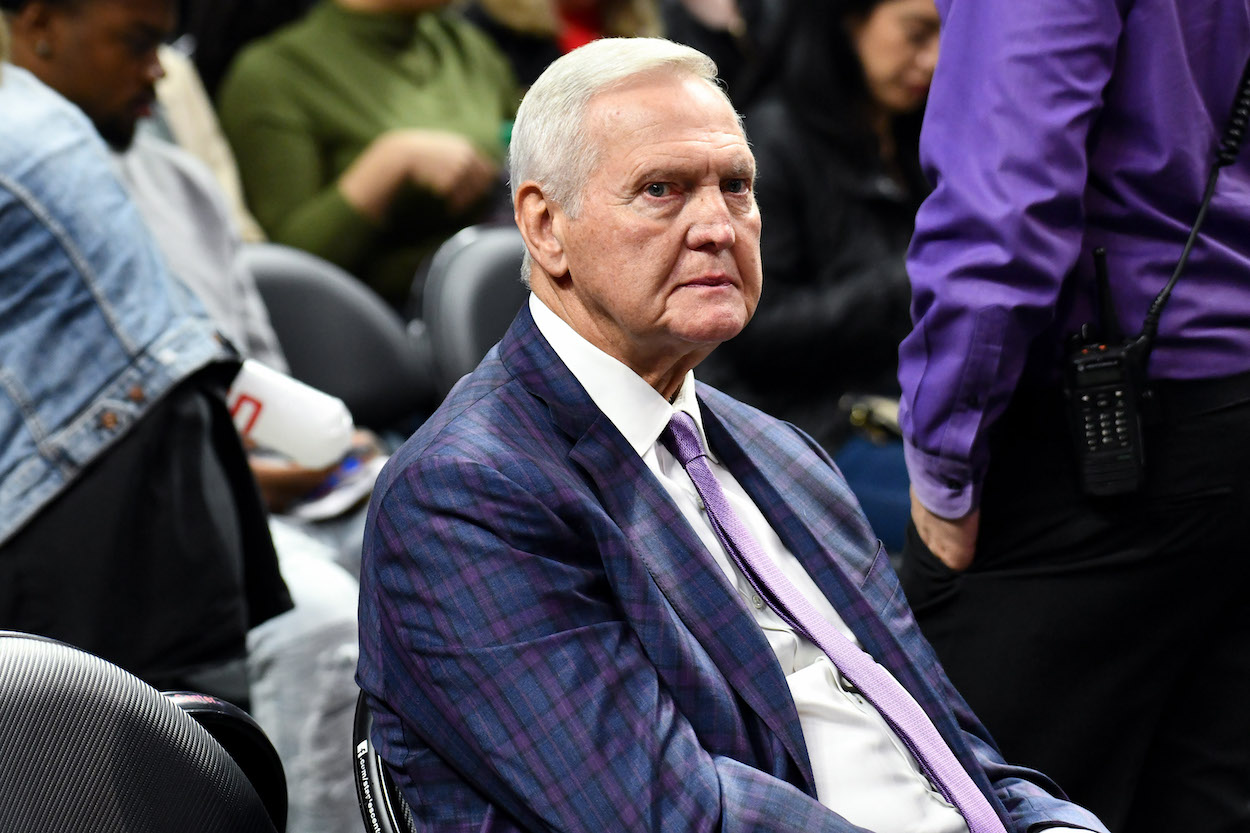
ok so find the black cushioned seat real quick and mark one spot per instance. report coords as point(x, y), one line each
point(86, 747)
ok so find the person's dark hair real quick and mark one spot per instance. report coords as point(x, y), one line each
point(823, 80)
point(219, 29)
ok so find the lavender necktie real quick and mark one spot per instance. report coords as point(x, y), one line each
point(874, 682)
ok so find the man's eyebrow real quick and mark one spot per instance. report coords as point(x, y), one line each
point(654, 174)
point(149, 31)
point(743, 168)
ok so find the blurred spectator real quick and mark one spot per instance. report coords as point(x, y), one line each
point(533, 33)
point(129, 523)
point(300, 663)
point(369, 131)
point(836, 141)
point(745, 38)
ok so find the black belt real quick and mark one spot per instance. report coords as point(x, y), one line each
point(1042, 409)
point(1172, 400)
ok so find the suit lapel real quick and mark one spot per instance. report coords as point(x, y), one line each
point(692, 582)
point(658, 536)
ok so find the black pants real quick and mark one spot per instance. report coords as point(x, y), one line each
point(157, 557)
point(1106, 642)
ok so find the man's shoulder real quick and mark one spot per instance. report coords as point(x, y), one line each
point(756, 426)
point(42, 134)
point(777, 447)
point(31, 104)
point(489, 419)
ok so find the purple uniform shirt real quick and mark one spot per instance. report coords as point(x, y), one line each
point(1054, 127)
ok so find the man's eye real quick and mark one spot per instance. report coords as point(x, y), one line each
point(658, 189)
point(140, 45)
point(736, 186)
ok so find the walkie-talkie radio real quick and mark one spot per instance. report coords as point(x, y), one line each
point(1105, 383)
point(1105, 373)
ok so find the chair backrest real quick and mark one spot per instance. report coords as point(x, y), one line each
point(382, 807)
point(85, 745)
point(472, 292)
point(339, 336)
point(244, 741)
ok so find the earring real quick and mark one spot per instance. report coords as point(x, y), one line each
point(42, 49)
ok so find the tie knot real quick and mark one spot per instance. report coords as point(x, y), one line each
point(681, 437)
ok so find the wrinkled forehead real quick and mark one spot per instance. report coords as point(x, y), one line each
point(661, 107)
point(657, 86)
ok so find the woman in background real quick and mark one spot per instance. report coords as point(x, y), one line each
point(369, 131)
point(835, 139)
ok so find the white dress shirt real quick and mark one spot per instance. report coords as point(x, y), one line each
point(863, 770)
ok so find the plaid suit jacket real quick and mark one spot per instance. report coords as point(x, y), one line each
point(547, 645)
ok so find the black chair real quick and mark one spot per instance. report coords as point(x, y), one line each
point(87, 746)
point(245, 741)
point(340, 337)
point(381, 805)
point(471, 292)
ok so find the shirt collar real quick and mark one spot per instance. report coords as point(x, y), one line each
point(633, 406)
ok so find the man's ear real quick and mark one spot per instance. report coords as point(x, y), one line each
point(34, 33)
point(542, 224)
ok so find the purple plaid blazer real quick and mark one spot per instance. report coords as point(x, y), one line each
point(547, 645)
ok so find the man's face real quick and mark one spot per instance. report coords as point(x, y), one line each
point(664, 257)
point(104, 60)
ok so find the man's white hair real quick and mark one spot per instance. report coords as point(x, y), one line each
point(550, 145)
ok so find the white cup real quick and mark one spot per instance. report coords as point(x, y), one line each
point(285, 415)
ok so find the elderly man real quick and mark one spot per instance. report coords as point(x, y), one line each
point(576, 617)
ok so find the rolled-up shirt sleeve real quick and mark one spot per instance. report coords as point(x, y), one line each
point(1015, 92)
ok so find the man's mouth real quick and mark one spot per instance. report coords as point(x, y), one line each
point(711, 281)
point(143, 105)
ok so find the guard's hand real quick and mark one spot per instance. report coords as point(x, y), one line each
point(954, 542)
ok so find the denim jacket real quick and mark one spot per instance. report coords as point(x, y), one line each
point(93, 330)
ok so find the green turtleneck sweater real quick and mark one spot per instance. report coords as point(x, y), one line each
point(300, 105)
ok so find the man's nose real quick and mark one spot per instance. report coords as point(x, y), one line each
point(711, 224)
point(154, 71)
